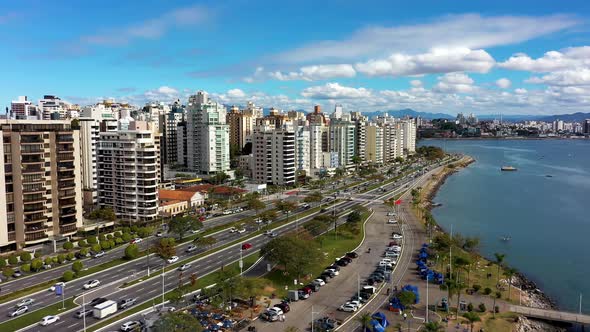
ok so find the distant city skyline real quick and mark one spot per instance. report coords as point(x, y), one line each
point(432, 56)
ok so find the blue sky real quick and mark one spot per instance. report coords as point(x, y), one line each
point(446, 56)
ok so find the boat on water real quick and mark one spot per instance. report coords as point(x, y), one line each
point(508, 168)
point(505, 238)
point(548, 176)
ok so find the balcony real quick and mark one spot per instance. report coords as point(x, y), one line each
point(64, 203)
point(35, 229)
point(65, 157)
point(29, 209)
point(66, 194)
point(35, 236)
point(33, 189)
point(65, 138)
point(33, 169)
point(66, 229)
point(31, 139)
point(32, 159)
point(67, 213)
point(31, 149)
point(67, 185)
point(33, 198)
point(35, 218)
point(11, 236)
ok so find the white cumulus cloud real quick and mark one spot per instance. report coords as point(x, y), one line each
point(568, 58)
point(236, 93)
point(439, 60)
point(335, 91)
point(454, 83)
point(503, 83)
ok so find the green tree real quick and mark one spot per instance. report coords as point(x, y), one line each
point(84, 252)
point(314, 197)
point(285, 207)
point(2, 263)
point(37, 254)
point(96, 247)
point(499, 260)
point(68, 245)
point(165, 247)
point(25, 256)
point(182, 225)
point(48, 260)
point(406, 298)
point(144, 231)
point(296, 256)
point(205, 242)
point(316, 227)
point(77, 266)
point(119, 241)
point(92, 240)
point(509, 272)
point(7, 271)
point(105, 245)
point(399, 159)
point(126, 237)
point(103, 214)
point(472, 317)
point(268, 215)
point(70, 256)
point(356, 160)
point(177, 322)
point(433, 327)
point(131, 252)
point(365, 320)
point(26, 267)
point(82, 243)
point(67, 276)
point(450, 286)
point(255, 204)
point(61, 258)
point(220, 177)
point(354, 217)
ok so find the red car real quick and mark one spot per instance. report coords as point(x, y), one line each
point(246, 246)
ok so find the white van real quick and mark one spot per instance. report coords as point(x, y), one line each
point(391, 254)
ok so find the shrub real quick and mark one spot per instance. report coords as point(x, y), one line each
point(55, 260)
point(470, 307)
point(118, 240)
point(82, 243)
point(482, 307)
point(38, 254)
point(132, 251)
point(84, 251)
point(109, 236)
point(12, 260)
point(77, 266)
point(126, 230)
point(476, 288)
point(36, 264)
point(61, 258)
point(96, 247)
point(112, 243)
point(68, 245)
point(48, 260)
point(68, 276)
point(105, 245)
point(144, 231)
point(92, 240)
point(7, 271)
point(102, 237)
point(126, 237)
point(71, 256)
point(25, 257)
point(487, 291)
point(2, 262)
point(134, 229)
point(118, 234)
point(26, 267)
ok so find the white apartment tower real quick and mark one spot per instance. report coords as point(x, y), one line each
point(408, 128)
point(342, 139)
point(374, 143)
point(128, 173)
point(302, 149)
point(273, 153)
point(207, 136)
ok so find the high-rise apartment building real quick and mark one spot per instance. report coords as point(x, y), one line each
point(23, 109)
point(374, 143)
point(273, 153)
point(408, 128)
point(342, 139)
point(302, 149)
point(169, 124)
point(207, 138)
point(129, 172)
point(392, 144)
point(40, 182)
point(319, 142)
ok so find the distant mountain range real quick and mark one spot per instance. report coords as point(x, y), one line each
point(411, 113)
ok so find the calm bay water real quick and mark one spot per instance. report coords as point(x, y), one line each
point(548, 218)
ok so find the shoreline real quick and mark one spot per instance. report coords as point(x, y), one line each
point(510, 138)
point(532, 296)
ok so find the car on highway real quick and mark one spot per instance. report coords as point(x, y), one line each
point(195, 231)
point(130, 326)
point(394, 248)
point(191, 248)
point(396, 236)
point(59, 284)
point(96, 301)
point(91, 284)
point(18, 311)
point(184, 267)
point(48, 320)
point(273, 234)
point(99, 254)
point(232, 230)
point(23, 302)
point(241, 230)
point(391, 254)
point(159, 234)
point(136, 240)
point(391, 214)
point(392, 221)
point(172, 259)
point(83, 313)
point(246, 246)
point(126, 303)
point(318, 282)
point(348, 307)
point(17, 274)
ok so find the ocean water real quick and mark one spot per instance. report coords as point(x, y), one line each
point(548, 218)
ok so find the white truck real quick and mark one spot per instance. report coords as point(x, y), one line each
point(105, 309)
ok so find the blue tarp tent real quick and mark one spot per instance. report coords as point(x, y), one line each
point(375, 327)
point(380, 317)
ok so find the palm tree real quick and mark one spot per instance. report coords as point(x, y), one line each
point(499, 260)
point(450, 286)
point(433, 327)
point(459, 286)
point(472, 317)
point(365, 320)
point(509, 272)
